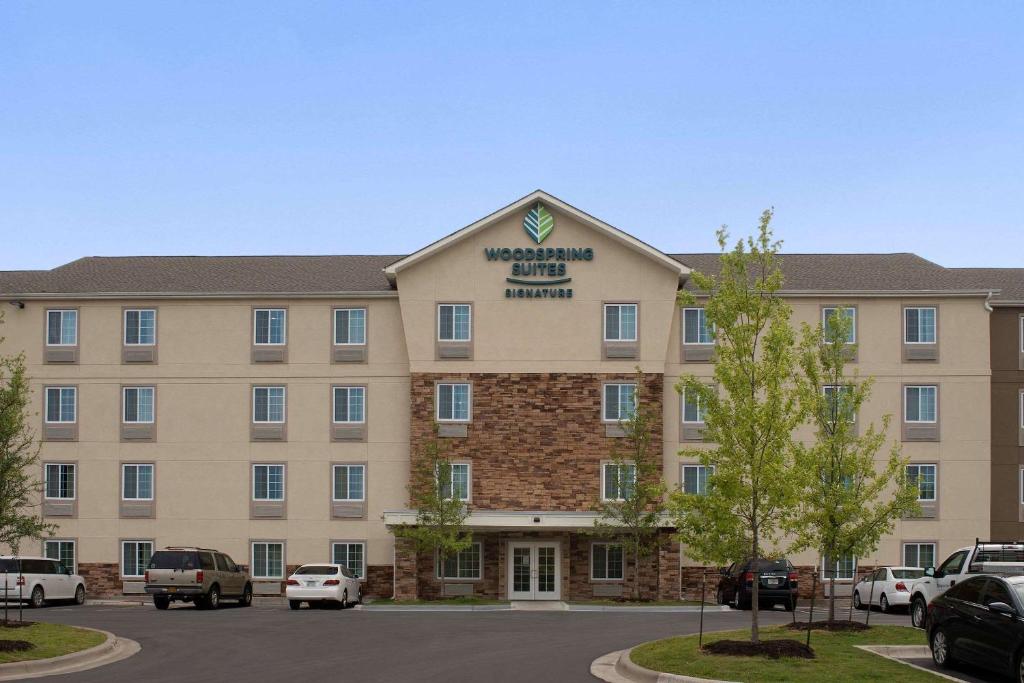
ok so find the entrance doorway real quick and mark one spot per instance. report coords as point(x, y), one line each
point(534, 570)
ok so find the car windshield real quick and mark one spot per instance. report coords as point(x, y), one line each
point(908, 573)
point(317, 569)
point(1019, 589)
point(173, 559)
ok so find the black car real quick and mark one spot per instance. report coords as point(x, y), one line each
point(777, 584)
point(980, 621)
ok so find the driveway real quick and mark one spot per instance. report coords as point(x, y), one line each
point(271, 642)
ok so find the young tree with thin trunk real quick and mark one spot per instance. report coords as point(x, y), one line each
point(848, 501)
point(440, 513)
point(749, 416)
point(632, 515)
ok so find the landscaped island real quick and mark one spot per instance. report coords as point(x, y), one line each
point(46, 640)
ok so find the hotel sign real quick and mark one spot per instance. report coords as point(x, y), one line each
point(538, 272)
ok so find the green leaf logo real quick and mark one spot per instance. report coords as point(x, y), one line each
point(538, 223)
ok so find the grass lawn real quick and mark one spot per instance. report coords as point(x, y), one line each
point(836, 659)
point(460, 600)
point(50, 640)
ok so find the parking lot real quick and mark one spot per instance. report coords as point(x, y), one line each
point(270, 642)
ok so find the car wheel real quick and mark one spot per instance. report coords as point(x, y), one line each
point(720, 597)
point(246, 599)
point(1020, 667)
point(295, 604)
point(213, 597)
point(789, 605)
point(918, 612)
point(883, 603)
point(941, 646)
point(80, 595)
point(161, 602)
point(857, 604)
point(359, 596)
point(344, 599)
point(38, 599)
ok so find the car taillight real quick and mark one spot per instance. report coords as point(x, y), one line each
point(748, 576)
point(21, 581)
point(331, 582)
point(146, 575)
point(291, 582)
point(199, 576)
point(793, 576)
point(902, 587)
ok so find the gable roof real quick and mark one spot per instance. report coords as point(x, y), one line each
point(538, 196)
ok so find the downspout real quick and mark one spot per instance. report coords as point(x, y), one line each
point(988, 297)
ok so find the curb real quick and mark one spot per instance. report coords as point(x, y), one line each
point(617, 667)
point(437, 608)
point(641, 609)
point(113, 649)
point(900, 653)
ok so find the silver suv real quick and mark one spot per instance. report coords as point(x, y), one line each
point(198, 575)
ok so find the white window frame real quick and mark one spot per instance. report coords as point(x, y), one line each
point(636, 322)
point(906, 327)
point(137, 543)
point(478, 548)
point(252, 559)
point(918, 544)
point(284, 327)
point(451, 487)
point(62, 311)
point(152, 479)
point(335, 313)
point(46, 404)
point(124, 405)
point(469, 330)
point(284, 482)
point(906, 403)
point(593, 565)
point(697, 466)
point(58, 541)
point(701, 312)
point(853, 327)
point(917, 482)
point(284, 404)
point(469, 402)
point(74, 478)
point(825, 571)
point(701, 411)
point(604, 480)
point(362, 544)
point(618, 401)
point(839, 388)
point(124, 331)
point(334, 404)
point(334, 481)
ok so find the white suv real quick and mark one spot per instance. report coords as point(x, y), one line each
point(39, 579)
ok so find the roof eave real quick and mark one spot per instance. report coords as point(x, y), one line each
point(37, 296)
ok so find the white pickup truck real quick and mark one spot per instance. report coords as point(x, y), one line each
point(984, 557)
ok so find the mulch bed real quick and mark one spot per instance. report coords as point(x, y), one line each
point(774, 649)
point(15, 624)
point(829, 626)
point(15, 645)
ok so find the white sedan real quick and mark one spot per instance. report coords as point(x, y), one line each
point(321, 585)
point(886, 587)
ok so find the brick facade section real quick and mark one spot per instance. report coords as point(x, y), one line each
point(536, 441)
point(102, 579)
point(380, 581)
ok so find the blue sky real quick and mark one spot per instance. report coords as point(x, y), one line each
point(333, 127)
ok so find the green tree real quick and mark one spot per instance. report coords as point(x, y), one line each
point(440, 515)
point(633, 516)
point(749, 417)
point(848, 502)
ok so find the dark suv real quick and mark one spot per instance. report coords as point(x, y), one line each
point(777, 584)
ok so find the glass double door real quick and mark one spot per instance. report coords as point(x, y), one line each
point(534, 571)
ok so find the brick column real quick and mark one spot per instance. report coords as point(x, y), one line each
point(405, 570)
point(668, 567)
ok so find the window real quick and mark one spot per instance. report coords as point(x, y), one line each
point(693, 408)
point(463, 565)
point(919, 555)
point(453, 322)
point(617, 481)
point(954, 563)
point(919, 325)
point(996, 591)
point(839, 401)
point(268, 482)
point(140, 326)
point(60, 481)
point(619, 402)
point(349, 404)
point(268, 404)
point(349, 326)
point(606, 561)
point(61, 404)
point(63, 552)
point(620, 322)
point(848, 313)
point(61, 328)
point(269, 326)
point(135, 557)
point(267, 560)
point(350, 555)
point(920, 404)
point(349, 482)
point(843, 569)
point(453, 402)
point(968, 591)
point(695, 479)
point(695, 327)
point(457, 488)
point(137, 482)
point(923, 476)
point(138, 405)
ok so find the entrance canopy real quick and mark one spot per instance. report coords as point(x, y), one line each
point(513, 520)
